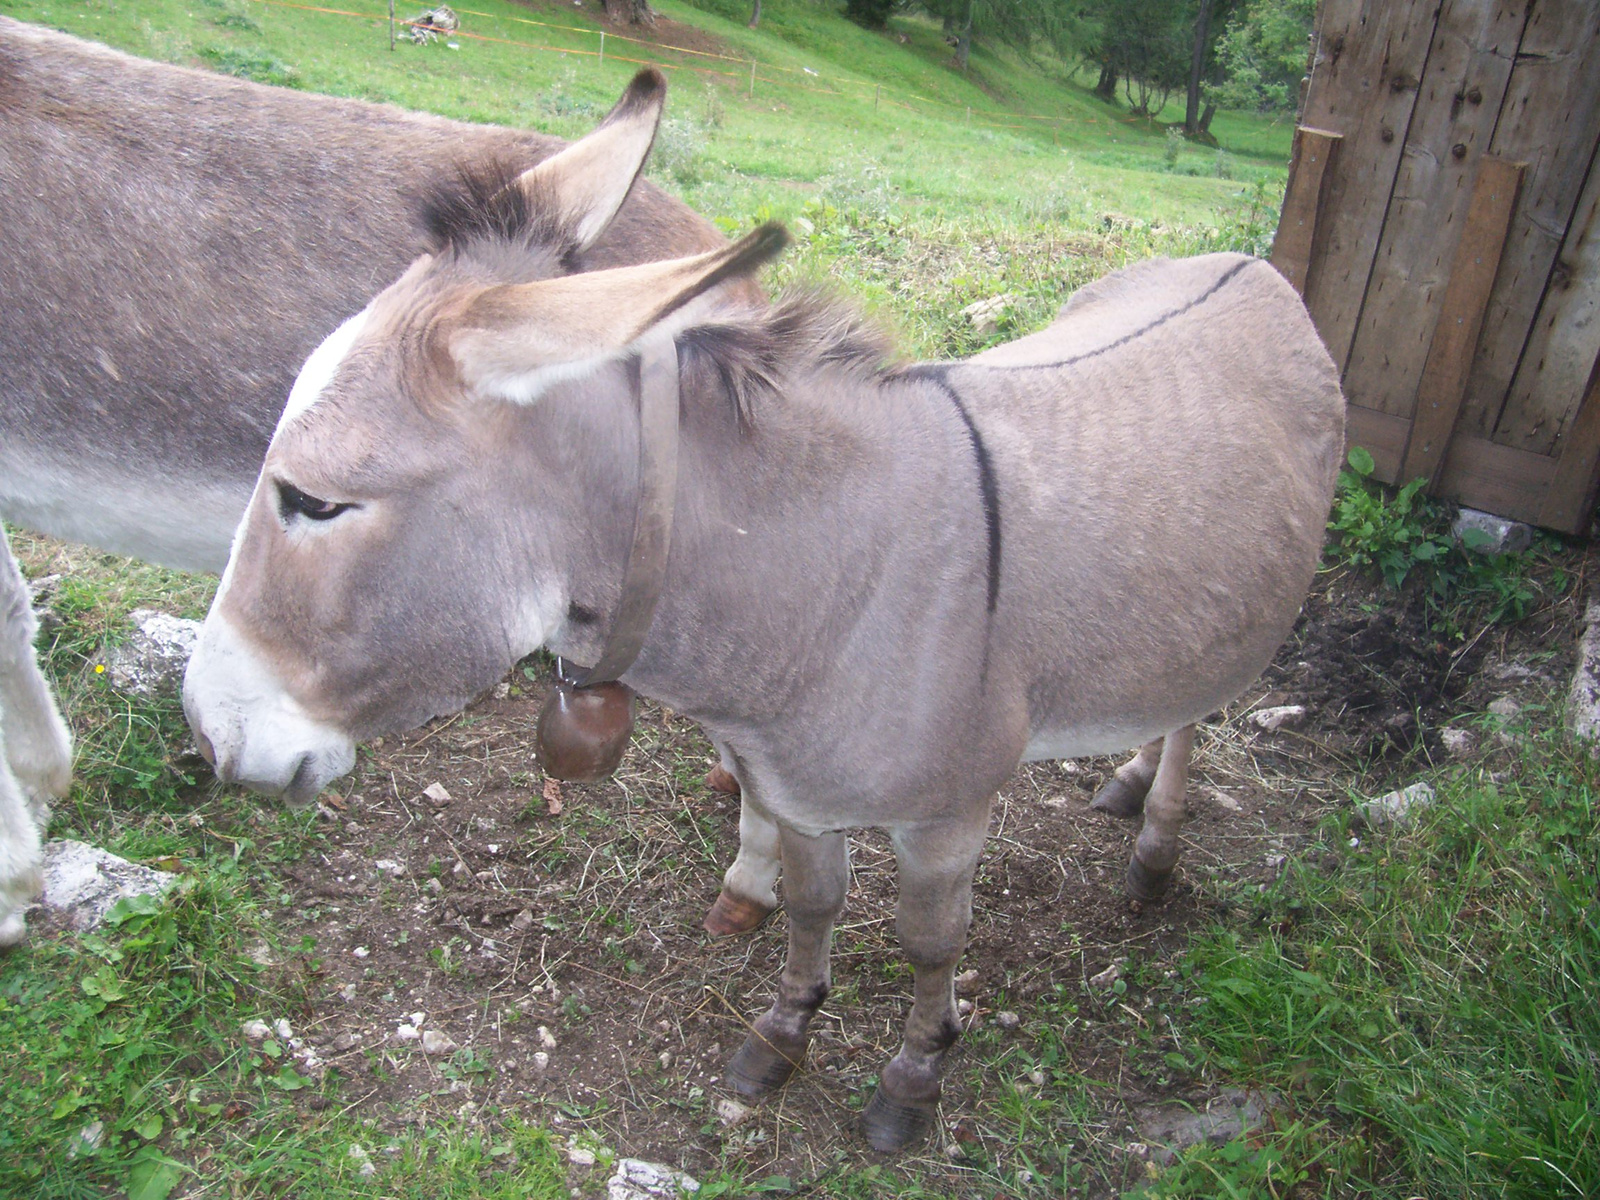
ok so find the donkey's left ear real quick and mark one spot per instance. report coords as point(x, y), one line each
point(588, 181)
point(516, 340)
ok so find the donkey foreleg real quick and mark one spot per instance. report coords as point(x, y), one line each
point(936, 862)
point(748, 896)
point(816, 875)
point(1155, 854)
point(38, 748)
point(21, 864)
point(1125, 792)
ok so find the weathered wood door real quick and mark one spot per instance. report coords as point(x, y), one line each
point(1443, 224)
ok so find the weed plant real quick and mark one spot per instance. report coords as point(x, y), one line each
point(1404, 536)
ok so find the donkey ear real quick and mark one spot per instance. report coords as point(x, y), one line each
point(515, 341)
point(588, 181)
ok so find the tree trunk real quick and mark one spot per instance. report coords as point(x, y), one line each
point(1106, 88)
point(964, 45)
point(1197, 66)
point(630, 12)
point(1205, 119)
point(755, 15)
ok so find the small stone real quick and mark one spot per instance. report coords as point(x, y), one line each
point(964, 1007)
point(417, 1018)
point(1037, 1077)
point(82, 882)
point(436, 793)
point(360, 952)
point(546, 1038)
point(435, 886)
point(1396, 809)
point(389, 867)
point(1226, 801)
point(1275, 862)
point(406, 1033)
point(1007, 1020)
point(985, 314)
point(363, 1162)
point(523, 920)
point(348, 993)
point(256, 1031)
point(1457, 742)
point(1107, 977)
point(1505, 708)
point(635, 1179)
point(953, 1151)
point(541, 1061)
point(344, 1041)
point(283, 1029)
point(152, 661)
point(434, 1042)
point(88, 1139)
point(967, 980)
point(1489, 534)
point(580, 1156)
point(502, 690)
point(1284, 716)
point(665, 1059)
point(731, 1112)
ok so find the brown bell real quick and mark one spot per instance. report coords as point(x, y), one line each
point(583, 731)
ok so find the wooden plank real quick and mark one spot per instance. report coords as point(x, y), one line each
point(1569, 504)
point(1466, 296)
point(1499, 479)
point(1458, 102)
point(1565, 340)
point(1551, 120)
point(1365, 71)
point(1381, 435)
point(1314, 152)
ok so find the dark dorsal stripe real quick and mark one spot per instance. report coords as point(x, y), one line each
point(1125, 338)
point(988, 484)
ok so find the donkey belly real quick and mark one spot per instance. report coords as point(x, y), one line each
point(143, 511)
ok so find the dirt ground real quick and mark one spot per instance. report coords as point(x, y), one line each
point(553, 932)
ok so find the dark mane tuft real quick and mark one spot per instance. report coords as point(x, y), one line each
point(484, 203)
point(749, 355)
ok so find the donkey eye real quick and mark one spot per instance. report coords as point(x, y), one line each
point(292, 502)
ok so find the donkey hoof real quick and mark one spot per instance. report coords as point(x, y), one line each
point(759, 1067)
point(892, 1125)
point(720, 779)
point(734, 914)
point(1146, 885)
point(1118, 799)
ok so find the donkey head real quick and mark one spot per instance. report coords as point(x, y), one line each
point(453, 461)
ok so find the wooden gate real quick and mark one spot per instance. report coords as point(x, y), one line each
point(1443, 223)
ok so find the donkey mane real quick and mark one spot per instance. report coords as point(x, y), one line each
point(749, 354)
point(484, 205)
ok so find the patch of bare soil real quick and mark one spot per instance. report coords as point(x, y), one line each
point(664, 36)
point(553, 933)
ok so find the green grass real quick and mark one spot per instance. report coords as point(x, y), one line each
point(1425, 999)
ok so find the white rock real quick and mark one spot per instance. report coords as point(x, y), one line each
point(1456, 741)
point(966, 980)
point(636, 1179)
point(88, 1139)
point(546, 1038)
point(407, 1033)
point(1226, 801)
point(541, 1061)
point(363, 1162)
point(1007, 1020)
point(348, 993)
point(1396, 809)
point(417, 1018)
point(1284, 716)
point(1107, 977)
point(434, 1042)
point(1505, 708)
point(389, 867)
point(523, 920)
point(731, 1112)
point(1037, 1077)
point(82, 882)
point(360, 952)
point(436, 793)
point(1583, 700)
point(256, 1031)
point(283, 1029)
point(985, 314)
point(152, 661)
point(580, 1156)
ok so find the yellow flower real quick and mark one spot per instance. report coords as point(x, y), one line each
point(99, 668)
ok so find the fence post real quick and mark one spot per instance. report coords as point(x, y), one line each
point(752, 79)
point(391, 26)
point(602, 45)
point(877, 91)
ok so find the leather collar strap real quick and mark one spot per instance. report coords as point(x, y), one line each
point(646, 572)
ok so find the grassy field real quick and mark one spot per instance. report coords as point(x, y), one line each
point(1422, 999)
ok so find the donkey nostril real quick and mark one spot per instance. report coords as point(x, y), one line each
point(207, 751)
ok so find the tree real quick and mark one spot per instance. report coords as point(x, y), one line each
point(869, 14)
point(1262, 56)
point(755, 15)
point(1147, 44)
point(1209, 17)
point(630, 12)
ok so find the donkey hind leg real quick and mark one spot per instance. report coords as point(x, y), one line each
point(747, 897)
point(1124, 794)
point(1156, 851)
point(936, 862)
point(38, 749)
point(816, 873)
